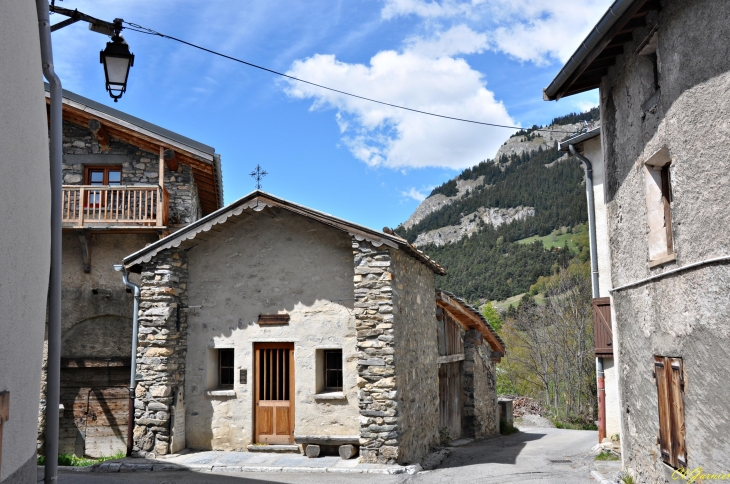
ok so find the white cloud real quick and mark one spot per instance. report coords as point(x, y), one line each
point(459, 39)
point(538, 31)
point(384, 136)
point(415, 195)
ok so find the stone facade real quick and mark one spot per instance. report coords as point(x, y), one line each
point(139, 167)
point(683, 315)
point(480, 388)
point(398, 374)
point(161, 352)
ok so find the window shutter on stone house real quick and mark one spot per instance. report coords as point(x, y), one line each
point(669, 376)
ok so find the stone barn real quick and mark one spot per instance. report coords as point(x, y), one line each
point(270, 323)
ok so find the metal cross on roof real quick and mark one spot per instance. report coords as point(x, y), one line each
point(257, 175)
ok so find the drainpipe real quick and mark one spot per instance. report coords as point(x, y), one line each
point(594, 279)
point(133, 372)
point(53, 373)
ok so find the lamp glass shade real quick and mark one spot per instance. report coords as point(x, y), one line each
point(117, 60)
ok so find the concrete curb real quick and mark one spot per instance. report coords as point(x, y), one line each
point(599, 478)
point(218, 469)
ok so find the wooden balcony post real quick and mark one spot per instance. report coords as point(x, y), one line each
point(82, 202)
point(162, 187)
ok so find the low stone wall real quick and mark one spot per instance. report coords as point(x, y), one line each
point(162, 350)
point(481, 412)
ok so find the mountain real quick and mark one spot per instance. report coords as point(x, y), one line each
point(472, 224)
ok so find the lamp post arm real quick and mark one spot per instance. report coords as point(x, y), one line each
point(95, 24)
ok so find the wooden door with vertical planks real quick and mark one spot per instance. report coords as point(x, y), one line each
point(274, 393)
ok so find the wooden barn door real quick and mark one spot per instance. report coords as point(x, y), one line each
point(274, 393)
point(450, 391)
point(95, 398)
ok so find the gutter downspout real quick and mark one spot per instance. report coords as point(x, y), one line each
point(53, 372)
point(601, 384)
point(133, 372)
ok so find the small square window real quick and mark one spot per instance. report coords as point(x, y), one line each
point(225, 368)
point(332, 370)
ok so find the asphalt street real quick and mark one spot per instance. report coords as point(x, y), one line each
point(539, 455)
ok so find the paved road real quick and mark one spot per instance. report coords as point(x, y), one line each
point(525, 457)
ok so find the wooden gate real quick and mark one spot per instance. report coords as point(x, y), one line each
point(274, 393)
point(95, 398)
point(450, 401)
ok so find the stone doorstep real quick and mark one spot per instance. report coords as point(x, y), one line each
point(109, 467)
point(277, 448)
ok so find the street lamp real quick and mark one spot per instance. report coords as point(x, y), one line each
point(117, 60)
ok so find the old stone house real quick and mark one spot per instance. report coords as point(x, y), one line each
point(127, 183)
point(267, 322)
point(663, 71)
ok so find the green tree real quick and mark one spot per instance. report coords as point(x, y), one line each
point(492, 316)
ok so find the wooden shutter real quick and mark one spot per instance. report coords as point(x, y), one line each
point(668, 373)
point(602, 332)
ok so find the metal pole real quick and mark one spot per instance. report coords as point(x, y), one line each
point(600, 380)
point(135, 339)
point(54, 286)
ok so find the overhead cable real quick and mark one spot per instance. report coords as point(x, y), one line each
point(138, 28)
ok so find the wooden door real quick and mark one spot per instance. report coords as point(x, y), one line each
point(450, 398)
point(96, 410)
point(274, 393)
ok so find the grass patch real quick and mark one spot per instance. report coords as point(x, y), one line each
point(560, 424)
point(607, 455)
point(75, 461)
point(506, 428)
point(515, 301)
point(559, 237)
point(627, 479)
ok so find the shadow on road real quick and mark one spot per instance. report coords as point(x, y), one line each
point(502, 450)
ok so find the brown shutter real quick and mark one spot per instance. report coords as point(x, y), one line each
point(602, 333)
point(679, 453)
point(668, 373)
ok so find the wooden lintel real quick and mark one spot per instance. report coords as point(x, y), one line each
point(273, 319)
point(451, 358)
point(85, 242)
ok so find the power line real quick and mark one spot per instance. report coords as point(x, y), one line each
point(144, 30)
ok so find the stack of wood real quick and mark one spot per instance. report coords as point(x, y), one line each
point(526, 406)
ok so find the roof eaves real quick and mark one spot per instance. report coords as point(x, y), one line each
point(88, 105)
point(589, 48)
point(476, 312)
point(581, 138)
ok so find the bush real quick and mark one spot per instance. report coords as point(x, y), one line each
point(71, 460)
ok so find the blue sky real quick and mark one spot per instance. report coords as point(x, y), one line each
point(479, 59)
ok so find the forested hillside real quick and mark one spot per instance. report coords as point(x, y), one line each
point(491, 264)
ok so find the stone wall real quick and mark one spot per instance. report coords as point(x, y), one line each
point(416, 357)
point(481, 414)
point(398, 371)
point(139, 167)
point(379, 408)
point(684, 315)
point(161, 351)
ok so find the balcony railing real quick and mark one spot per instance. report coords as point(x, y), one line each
point(115, 206)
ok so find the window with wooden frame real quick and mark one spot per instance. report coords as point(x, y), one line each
point(101, 176)
point(669, 377)
point(659, 211)
point(332, 370)
point(225, 368)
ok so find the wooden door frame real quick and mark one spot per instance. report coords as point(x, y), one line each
point(257, 381)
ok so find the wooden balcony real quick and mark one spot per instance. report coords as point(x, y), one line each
point(117, 207)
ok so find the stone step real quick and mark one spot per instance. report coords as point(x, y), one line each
point(279, 449)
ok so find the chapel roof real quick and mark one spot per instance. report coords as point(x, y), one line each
point(210, 225)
